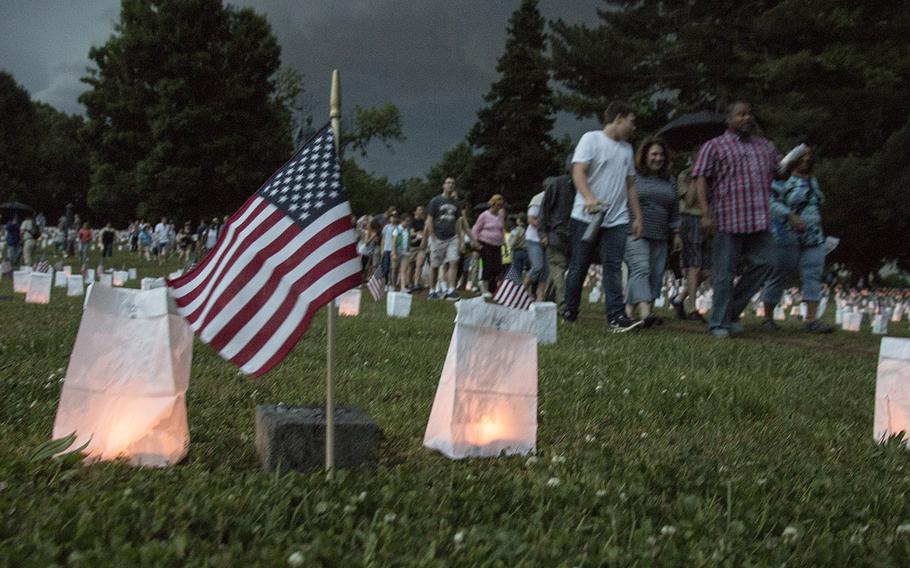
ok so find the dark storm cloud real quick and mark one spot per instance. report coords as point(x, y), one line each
point(433, 59)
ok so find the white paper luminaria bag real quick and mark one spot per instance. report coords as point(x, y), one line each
point(892, 389)
point(125, 387)
point(486, 402)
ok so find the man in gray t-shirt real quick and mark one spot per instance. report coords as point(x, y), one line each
point(443, 236)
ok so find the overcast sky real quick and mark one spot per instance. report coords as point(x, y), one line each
point(434, 59)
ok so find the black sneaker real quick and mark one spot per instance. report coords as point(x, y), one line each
point(569, 317)
point(622, 324)
point(453, 296)
point(770, 325)
point(817, 326)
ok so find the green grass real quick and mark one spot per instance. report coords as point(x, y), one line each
point(670, 448)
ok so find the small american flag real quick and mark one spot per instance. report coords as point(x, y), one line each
point(376, 284)
point(286, 253)
point(511, 293)
point(42, 266)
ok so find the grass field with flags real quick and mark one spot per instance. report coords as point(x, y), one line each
point(657, 447)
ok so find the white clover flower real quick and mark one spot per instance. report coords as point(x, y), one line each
point(625, 391)
point(761, 481)
point(598, 388)
point(531, 461)
point(553, 482)
point(903, 529)
point(601, 493)
point(295, 559)
point(459, 537)
point(558, 459)
point(390, 517)
point(678, 395)
point(589, 438)
point(790, 534)
point(644, 435)
point(667, 530)
point(321, 507)
point(349, 509)
point(362, 497)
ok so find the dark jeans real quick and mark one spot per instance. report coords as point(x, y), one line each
point(611, 243)
point(107, 250)
point(757, 251)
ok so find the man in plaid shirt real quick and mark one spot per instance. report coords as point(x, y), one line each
point(733, 175)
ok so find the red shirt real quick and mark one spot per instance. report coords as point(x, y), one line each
point(85, 235)
point(741, 170)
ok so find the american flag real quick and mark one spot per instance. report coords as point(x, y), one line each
point(286, 253)
point(376, 284)
point(42, 266)
point(511, 293)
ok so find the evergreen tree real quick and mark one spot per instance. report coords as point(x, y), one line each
point(18, 134)
point(183, 117)
point(515, 150)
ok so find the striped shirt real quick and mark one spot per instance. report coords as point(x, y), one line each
point(659, 211)
point(741, 170)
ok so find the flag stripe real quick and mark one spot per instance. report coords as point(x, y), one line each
point(255, 305)
point(275, 260)
point(261, 345)
point(270, 222)
point(249, 259)
point(195, 278)
point(353, 267)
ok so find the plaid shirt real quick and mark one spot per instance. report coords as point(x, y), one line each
point(741, 171)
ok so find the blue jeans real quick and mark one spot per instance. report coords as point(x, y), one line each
point(646, 259)
point(520, 260)
point(810, 261)
point(611, 243)
point(758, 252)
point(538, 272)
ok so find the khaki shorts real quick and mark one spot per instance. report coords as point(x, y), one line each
point(443, 251)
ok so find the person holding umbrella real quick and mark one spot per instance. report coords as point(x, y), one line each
point(13, 240)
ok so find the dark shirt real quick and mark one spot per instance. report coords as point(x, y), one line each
point(107, 236)
point(445, 213)
point(12, 234)
point(555, 211)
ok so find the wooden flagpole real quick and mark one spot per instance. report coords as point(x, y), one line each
point(335, 114)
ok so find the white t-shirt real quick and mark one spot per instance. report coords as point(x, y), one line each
point(161, 231)
point(531, 233)
point(611, 164)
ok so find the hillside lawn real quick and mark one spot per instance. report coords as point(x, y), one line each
point(663, 447)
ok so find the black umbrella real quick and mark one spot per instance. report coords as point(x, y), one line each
point(689, 131)
point(16, 206)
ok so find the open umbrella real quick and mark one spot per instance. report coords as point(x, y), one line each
point(689, 131)
point(15, 206)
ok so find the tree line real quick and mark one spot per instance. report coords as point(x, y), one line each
point(188, 107)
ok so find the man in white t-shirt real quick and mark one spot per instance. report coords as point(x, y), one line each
point(162, 234)
point(603, 172)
